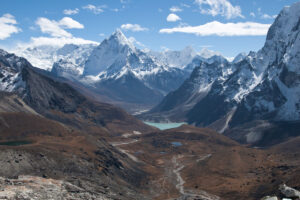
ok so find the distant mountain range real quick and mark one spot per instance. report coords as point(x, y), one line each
point(118, 70)
point(201, 88)
point(55, 99)
point(263, 85)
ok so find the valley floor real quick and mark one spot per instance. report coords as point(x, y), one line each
point(210, 166)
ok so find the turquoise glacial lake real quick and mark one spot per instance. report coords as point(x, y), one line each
point(164, 126)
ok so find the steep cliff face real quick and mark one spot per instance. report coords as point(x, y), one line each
point(176, 104)
point(263, 85)
point(278, 94)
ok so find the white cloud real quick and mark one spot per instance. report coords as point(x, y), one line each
point(175, 9)
point(101, 34)
point(185, 5)
point(134, 41)
point(71, 12)
point(221, 29)
point(266, 16)
point(252, 14)
point(263, 15)
point(51, 27)
point(133, 27)
point(8, 26)
point(95, 9)
point(55, 41)
point(124, 1)
point(219, 7)
point(56, 28)
point(70, 23)
point(173, 17)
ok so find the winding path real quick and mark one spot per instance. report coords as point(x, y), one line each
point(115, 144)
point(185, 195)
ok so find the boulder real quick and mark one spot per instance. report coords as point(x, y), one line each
point(289, 192)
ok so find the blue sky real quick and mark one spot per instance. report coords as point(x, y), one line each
point(226, 26)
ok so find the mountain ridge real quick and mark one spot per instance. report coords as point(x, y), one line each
point(98, 66)
point(263, 85)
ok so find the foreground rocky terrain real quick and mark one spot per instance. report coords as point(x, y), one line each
point(32, 187)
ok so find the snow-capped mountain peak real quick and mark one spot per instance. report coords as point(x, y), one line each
point(239, 57)
point(113, 51)
point(120, 38)
point(11, 72)
point(176, 59)
point(263, 85)
point(206, 53)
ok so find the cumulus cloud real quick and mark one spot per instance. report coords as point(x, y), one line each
point(70, 23)
point(133, 27)
point(173, 17)
point(71, 12)
point(57, 28)
point(95, 9)
point(222, 29)
point(175, 9)
point(8, 26)
point(219, 7)
point(252, 14)
point(266, 16)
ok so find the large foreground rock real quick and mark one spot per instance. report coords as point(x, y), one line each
point(289, 192)
point(37, 188)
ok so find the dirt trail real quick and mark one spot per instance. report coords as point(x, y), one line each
point(177, 168)
point(115, 144)
point(188, 194)
point(118, 144)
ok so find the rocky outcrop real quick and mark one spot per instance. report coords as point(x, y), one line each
point(289, 192)
point(270, 198)
point(38, 188)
